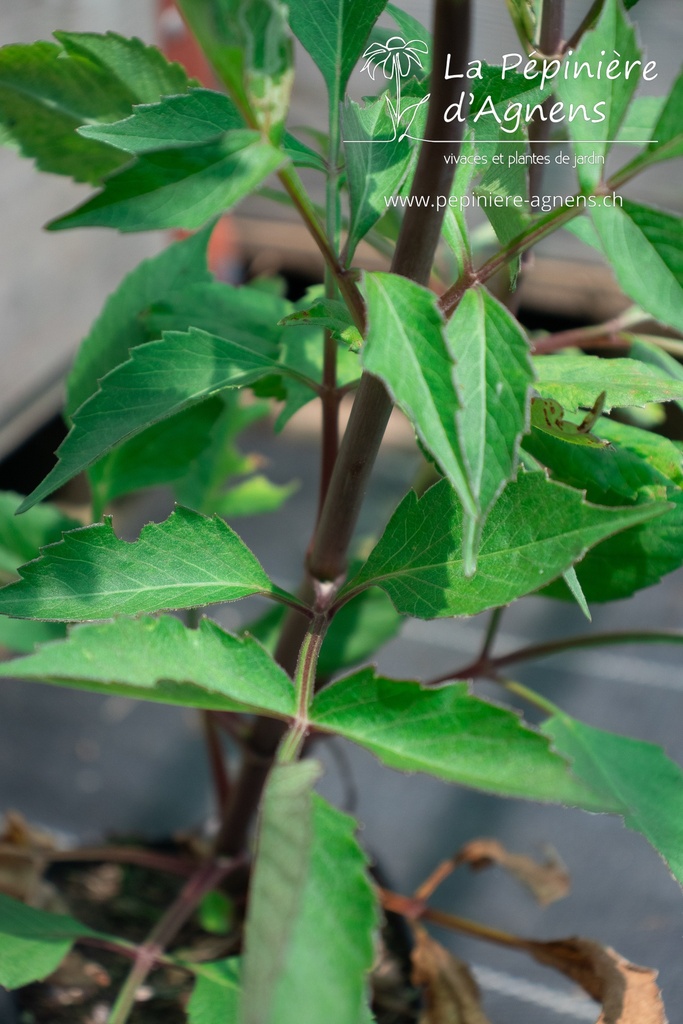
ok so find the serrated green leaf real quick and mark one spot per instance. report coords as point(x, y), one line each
point(20, 636)
point(577, 380)
point(611, 33)
point(158, 455)
point(250, 46)
point(536, 531)
point(184, 562)
point(207, 484)
point(119, 327)
point(449, 733)
point(22, 538)
point(495, 373)
point(198, 116)
point(33, 943)
point(377, 162)
point(634, 559)
point(47, 91)
point(645, 248)
point(330, 314)
point(159, 380)
point(574, 587)
point(667, 136)
point(334, 34)
point(637, 778)
point(641, 118)
point(178, 188)
point(647, 352)
point(405, 347)
point(639, 463)
point(160, 659)
point(639, 467)
point(215, 996)
point(413, 29)
point(312, 914)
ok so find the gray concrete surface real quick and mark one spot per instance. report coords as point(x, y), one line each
point(83, 763)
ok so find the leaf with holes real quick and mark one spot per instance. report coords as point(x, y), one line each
point(184, 562)
point(47, 91)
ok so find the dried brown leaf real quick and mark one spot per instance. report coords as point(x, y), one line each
point(629, 994)
point(548, 881)
point(451, 994)
point(23, 851)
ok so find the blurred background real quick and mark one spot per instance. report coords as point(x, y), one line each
point(82, 764)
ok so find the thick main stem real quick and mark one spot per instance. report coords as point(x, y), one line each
point(372, 407)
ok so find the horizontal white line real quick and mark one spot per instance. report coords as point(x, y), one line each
point(579, 1007)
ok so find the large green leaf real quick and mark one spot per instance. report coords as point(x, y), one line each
point(634, 559)
point(377, 162)
point(494, 373)
point(160, 659)
point(536, 531)
point(405, 347)
point(159, 380)
point(309, 932)
point(249, 44)
point(637, 778)
point(159, 455)
point(119, 326)
point(47, 91)
point(215, 996)
point(178, 188)
point(577, 380)
point(249, 316)
point(198, 116)
point(645, 249)
point(33, 943)
point(186, 561)
point(639, 467)
point(334, 33)
point(448, 732)
point(612, 33)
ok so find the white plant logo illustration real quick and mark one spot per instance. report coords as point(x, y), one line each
point(396, 58)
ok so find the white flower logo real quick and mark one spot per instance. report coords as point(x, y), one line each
point(396, 58)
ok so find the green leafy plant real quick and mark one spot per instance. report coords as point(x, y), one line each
point(521, 493)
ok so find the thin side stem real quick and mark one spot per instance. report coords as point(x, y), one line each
point(492, 631)
point(543, 227)
point(147, 956)
point(582, 337)
point(587, 22)
point(488, 666)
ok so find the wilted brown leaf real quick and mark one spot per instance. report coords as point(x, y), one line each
point(451, 994)
point(548, 881)
point(629, 994)
point(23, 852)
